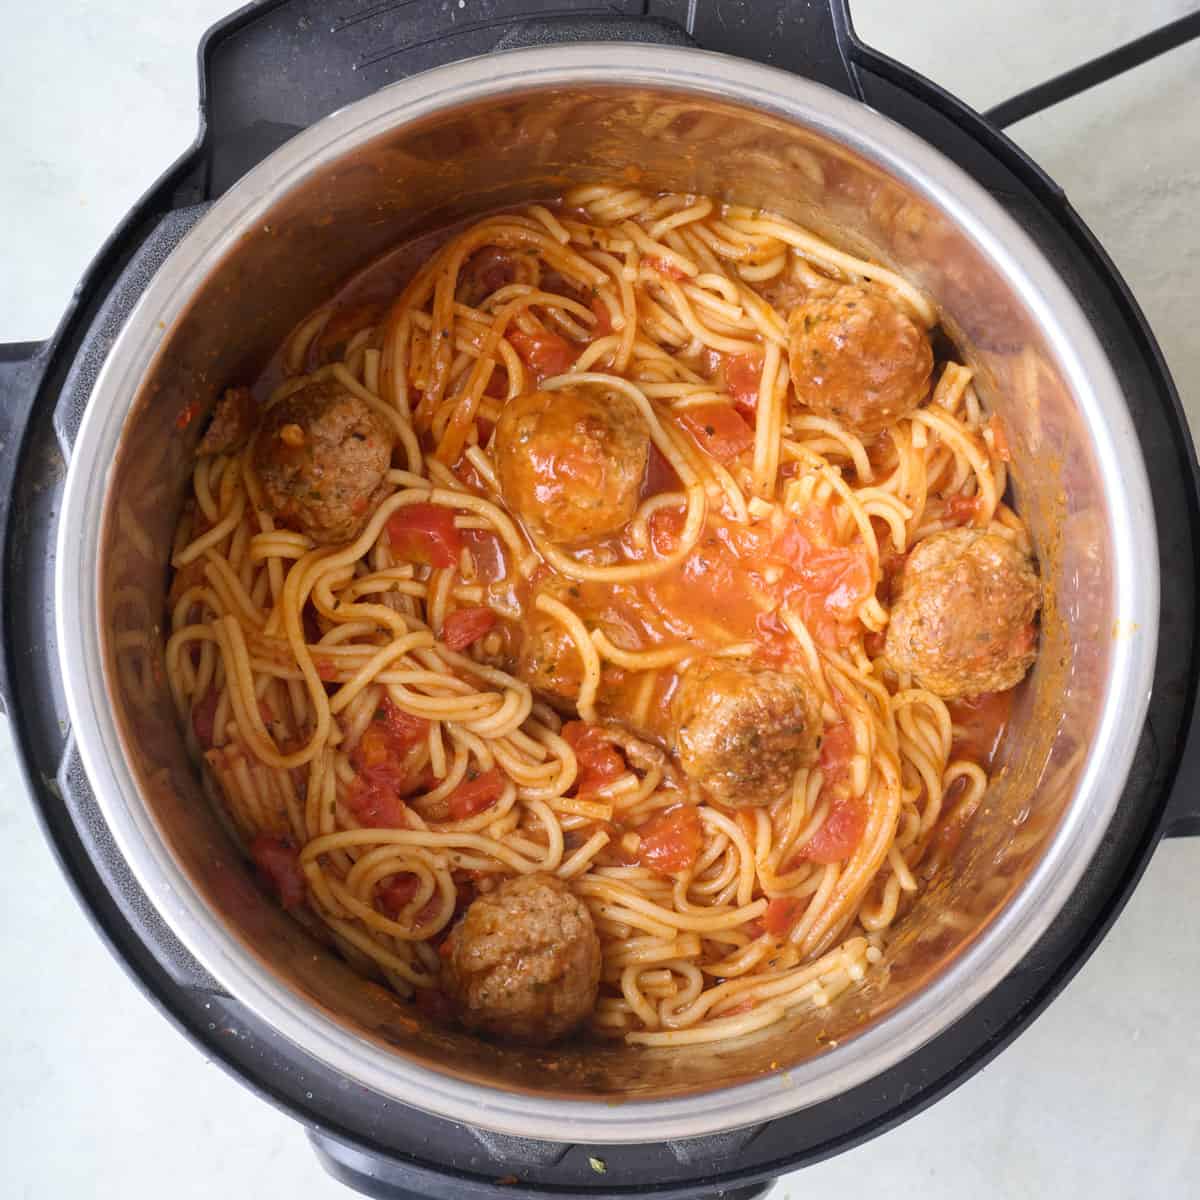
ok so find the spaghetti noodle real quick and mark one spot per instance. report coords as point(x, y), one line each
point(362, 706)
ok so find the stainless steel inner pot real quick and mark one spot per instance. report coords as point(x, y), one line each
point(514, 127)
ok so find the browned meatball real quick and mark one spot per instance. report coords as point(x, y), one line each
point(743, 732)
point(524, 963)
point(571, 462)
point(963, 620)
point(549, 660)
point(322, 456)
point(857, 358)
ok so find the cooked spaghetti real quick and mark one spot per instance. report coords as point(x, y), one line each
point(639, 545)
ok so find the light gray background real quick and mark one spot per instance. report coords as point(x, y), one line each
point(99, 1097)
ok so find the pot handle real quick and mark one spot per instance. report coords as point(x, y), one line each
point(1183, 805)
point(249, 62)
point(386, 1178)
point(812, 38)
point(22, 368)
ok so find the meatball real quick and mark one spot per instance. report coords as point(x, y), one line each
point(743, 732)
point(524, 963)
point(571, 462)
point(857, 358)
point(962, 620)
point(322, 456)
point(549, 660)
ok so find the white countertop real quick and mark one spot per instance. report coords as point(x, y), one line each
point(100, 1097)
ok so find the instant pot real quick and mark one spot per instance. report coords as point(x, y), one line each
point(308, 165)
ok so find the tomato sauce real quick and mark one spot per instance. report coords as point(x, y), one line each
point(732, 587)
point(979, 724)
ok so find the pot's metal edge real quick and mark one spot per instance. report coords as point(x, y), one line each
point(998, 948)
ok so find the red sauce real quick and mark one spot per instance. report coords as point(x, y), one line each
point(488, 552)
point(979, 725)
point(730, 587)
point(603, 326)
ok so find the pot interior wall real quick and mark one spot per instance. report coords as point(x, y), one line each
point(530, 147)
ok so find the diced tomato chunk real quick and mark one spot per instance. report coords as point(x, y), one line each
point(545, 353)
point(598, 760)
point(781, 915)
point(375, 801)
point(204, 717)
point(743, 372)
point(395, 892)
point(380, 761)
point(425, 533)
point(465, 626)
point(404, 727)
point(670, 841)
point(719, 430)
point(472, 796)
point(389, 737)
point(829, 583)
point(279, 861)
